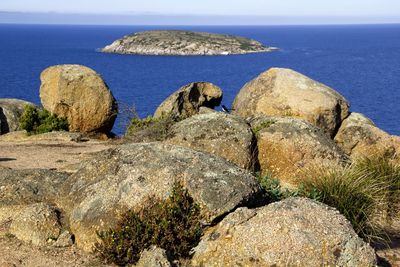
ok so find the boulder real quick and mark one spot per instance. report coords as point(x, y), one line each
point(79, 94)
point(126, 177)
point(153, 257)
point(220, 134)
point(284, 92)
point(289, 147)
point(189, 99)
point(20, 188)
point(293, 232)
point(360, 138)
point(37, 224)
point(10, 113)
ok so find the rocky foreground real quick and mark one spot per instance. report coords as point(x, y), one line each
point(184, 43)
point(57, 190)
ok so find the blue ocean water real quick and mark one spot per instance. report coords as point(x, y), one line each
point(361, 62)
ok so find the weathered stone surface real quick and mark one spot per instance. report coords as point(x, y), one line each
point(37, 223)
point(184, 43)
point(360, 138)
point(21, 187)
point(220, 134)
point(10, 113)
point(188, 100)
point(287, 147)
point(153, 257)
point(284, 92)
point(127, 176)
point(293, 232)
point(79, 94)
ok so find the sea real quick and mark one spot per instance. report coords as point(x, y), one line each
point(362, 62)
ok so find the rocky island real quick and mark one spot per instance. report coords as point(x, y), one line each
point(184, 43)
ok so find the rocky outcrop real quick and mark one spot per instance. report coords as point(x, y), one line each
point(188, 100)
point(153, 257)
point(284, 92)
point(37, 224)
point(360, 138)
point(288, 147)
point(125, 177)
point(10, 113)
point(79, 94)
point(184, 43)
point(220, 134)
point(294, 232)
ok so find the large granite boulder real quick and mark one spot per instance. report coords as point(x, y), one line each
point(360, 138)
point(288, 147)
point(294, 232)
point(189, 99)
point(284, 92)
point(11, 111)
point(220, 134)
point(79, 94)
point(125, 177)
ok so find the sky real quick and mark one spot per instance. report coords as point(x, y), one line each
point(223, 11)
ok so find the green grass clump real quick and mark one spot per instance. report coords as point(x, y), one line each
point(265, 124)
point(37, 121)
point(173, 224)
point(363, 192)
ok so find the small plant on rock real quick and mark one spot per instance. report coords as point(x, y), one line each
point(173, 224)
point(37, 121)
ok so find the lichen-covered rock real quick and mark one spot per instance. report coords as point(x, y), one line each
point(10, 113)
point(220, 134)
point(22, 187)
point(79, 94)
point(188, 100)
point(293, 232)
point(284, 92)
point(360, 138)
point(153, 257)
point(287, 147)
point(37, 223)
point(125, 177)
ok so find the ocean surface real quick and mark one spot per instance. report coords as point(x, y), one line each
point(361, 62)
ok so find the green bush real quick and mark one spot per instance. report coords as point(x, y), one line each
point(37, 121)
point(173, 224)
point(273, 191)
point(138, 124)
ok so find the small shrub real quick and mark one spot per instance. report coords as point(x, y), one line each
point(138, 124)
point(273, 190)
point(37, 121)
point(173, 224)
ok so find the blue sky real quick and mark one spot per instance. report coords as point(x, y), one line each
point(312, 11)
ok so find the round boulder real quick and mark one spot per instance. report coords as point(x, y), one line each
point(37, 223)
point(189, 99)
point(293, 232)
point(11, 111)
point(79, 94)
point(220, 134)
point(360, 138)
point(288, 147)
point(126, 177)
point(284, 92)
